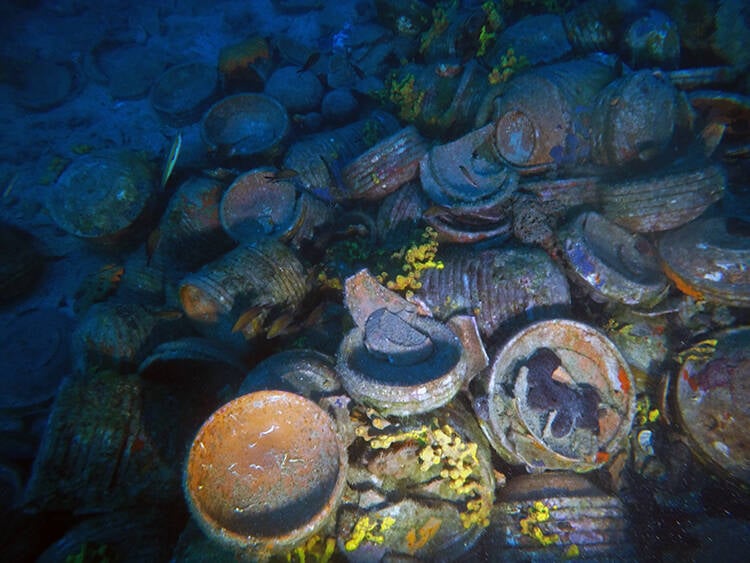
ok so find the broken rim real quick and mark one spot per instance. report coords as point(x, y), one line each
point(402, 364)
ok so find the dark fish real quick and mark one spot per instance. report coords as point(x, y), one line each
point(169, 314)
point(152, 242)
point(251, 319)
point(358, 71)
point(315, 315)
point(436, 211)
point(334, 172)
point(285, 174)
point(311, 60)
point(711, 136)
point(221, 173)
point(281, 325)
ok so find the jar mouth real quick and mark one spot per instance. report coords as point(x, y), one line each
point(267, 465)
point(515, 137)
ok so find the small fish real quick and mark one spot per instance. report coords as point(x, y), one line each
point(436, 211)
point(315, 315)
point(448, 70)
point(221, 173)
point(251, 321)
point(112, 272)
point(468, 176)
point(742, 151)
point(311, 60)
point(284, 174)
point(174, 154)
point(169, 314)
point(357, 70)
point(152, 242)
point(10, 186)
point(711, 136)
point(281, 325)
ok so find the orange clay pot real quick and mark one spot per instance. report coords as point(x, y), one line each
point(265, 473)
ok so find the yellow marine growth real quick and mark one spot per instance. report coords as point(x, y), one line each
point(492, 26)
point(330, 282)
point(508, 67)
point(644, 414)
point(444, 448)
point(441, 16)
point(416, 259)
point(368, 529)
point(538, 513)
point(406, 97)
point(486, 37)
point(492, 13)
point(315, 550)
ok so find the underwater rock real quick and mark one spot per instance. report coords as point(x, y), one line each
point(128, 70)
point(44, 85)
point(339, 106)
point(298, 92)
point(183, 92)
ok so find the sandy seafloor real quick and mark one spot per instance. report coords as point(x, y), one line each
point(32, 143)
point(68, 32)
